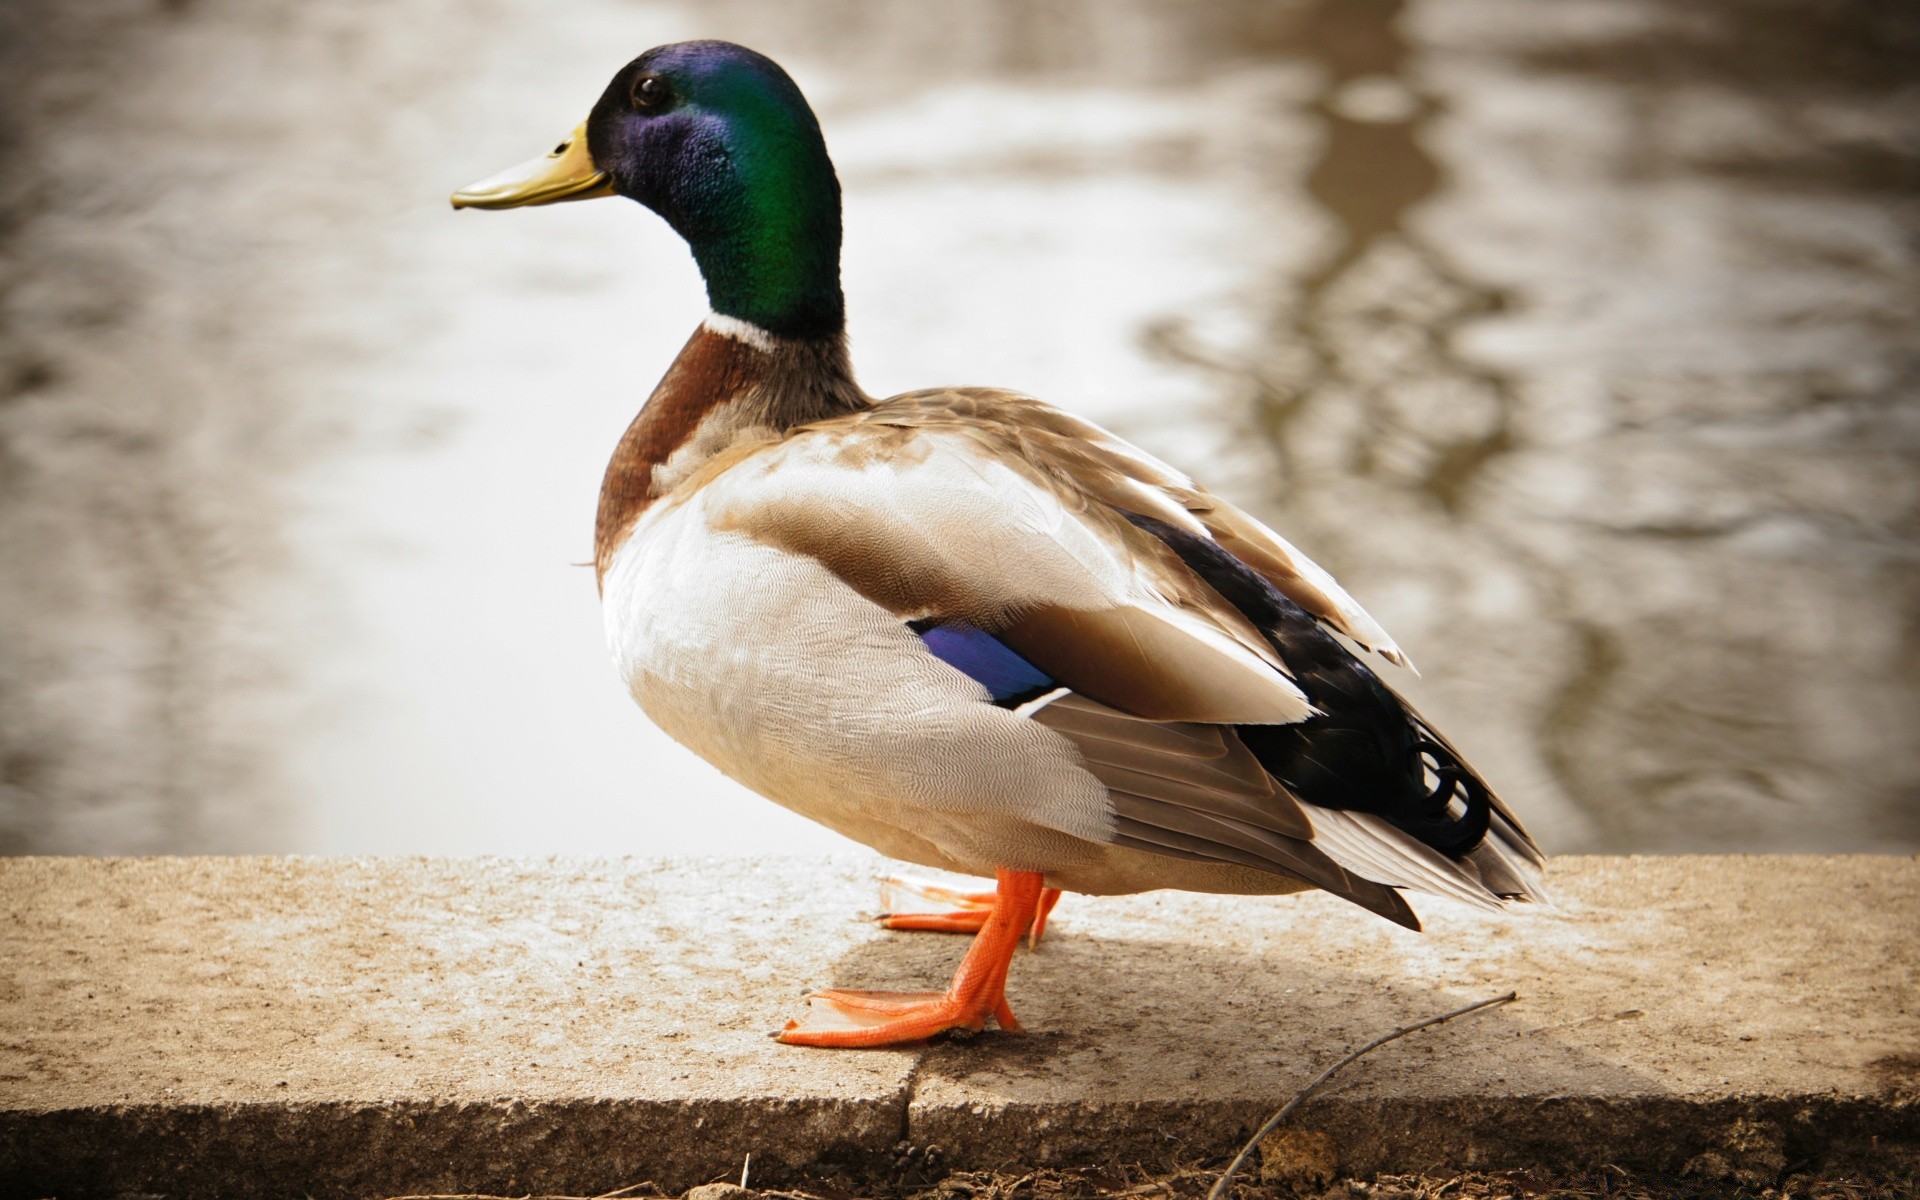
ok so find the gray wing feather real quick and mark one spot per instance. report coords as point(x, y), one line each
point(1195, 791)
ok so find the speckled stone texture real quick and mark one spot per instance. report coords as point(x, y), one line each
point(347, 1027)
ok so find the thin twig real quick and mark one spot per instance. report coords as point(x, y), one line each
point(1286, 1110)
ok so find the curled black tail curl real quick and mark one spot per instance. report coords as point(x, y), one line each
point(1458, 807)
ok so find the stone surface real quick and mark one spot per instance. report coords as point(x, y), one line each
point(351, 1026)
point(1661, 1000)
point(333, 1027)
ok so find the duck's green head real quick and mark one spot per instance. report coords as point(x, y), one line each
point(719, 141)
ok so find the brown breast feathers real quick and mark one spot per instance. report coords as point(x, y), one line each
point(711, 370)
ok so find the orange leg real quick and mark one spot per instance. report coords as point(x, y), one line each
point(967, 911)
point(1048, 898)
point(850, 1018)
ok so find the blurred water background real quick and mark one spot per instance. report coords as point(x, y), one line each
point(1581, 340)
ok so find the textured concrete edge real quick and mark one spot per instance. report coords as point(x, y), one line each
point(345, 1149)
point(326, 1150)
point(1651, 1133)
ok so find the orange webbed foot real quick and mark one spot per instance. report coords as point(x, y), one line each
point(917, 904)
point(847, 1018)
point(841, 1018)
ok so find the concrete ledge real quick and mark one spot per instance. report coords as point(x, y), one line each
point(261, 1027)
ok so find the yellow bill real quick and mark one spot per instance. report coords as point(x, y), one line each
point(567, 173)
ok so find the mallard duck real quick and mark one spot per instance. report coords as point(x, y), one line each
point(966, 628)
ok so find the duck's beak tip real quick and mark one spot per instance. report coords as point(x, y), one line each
point(566, 173)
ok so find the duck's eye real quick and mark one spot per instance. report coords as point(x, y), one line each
point(649, 92)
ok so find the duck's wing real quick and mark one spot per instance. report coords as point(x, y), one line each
point(1127, 478)
point(937, 521)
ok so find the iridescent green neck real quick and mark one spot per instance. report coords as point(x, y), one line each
point(780, 272)
point(763, 216)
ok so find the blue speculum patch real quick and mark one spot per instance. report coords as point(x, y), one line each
point(985, 659)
